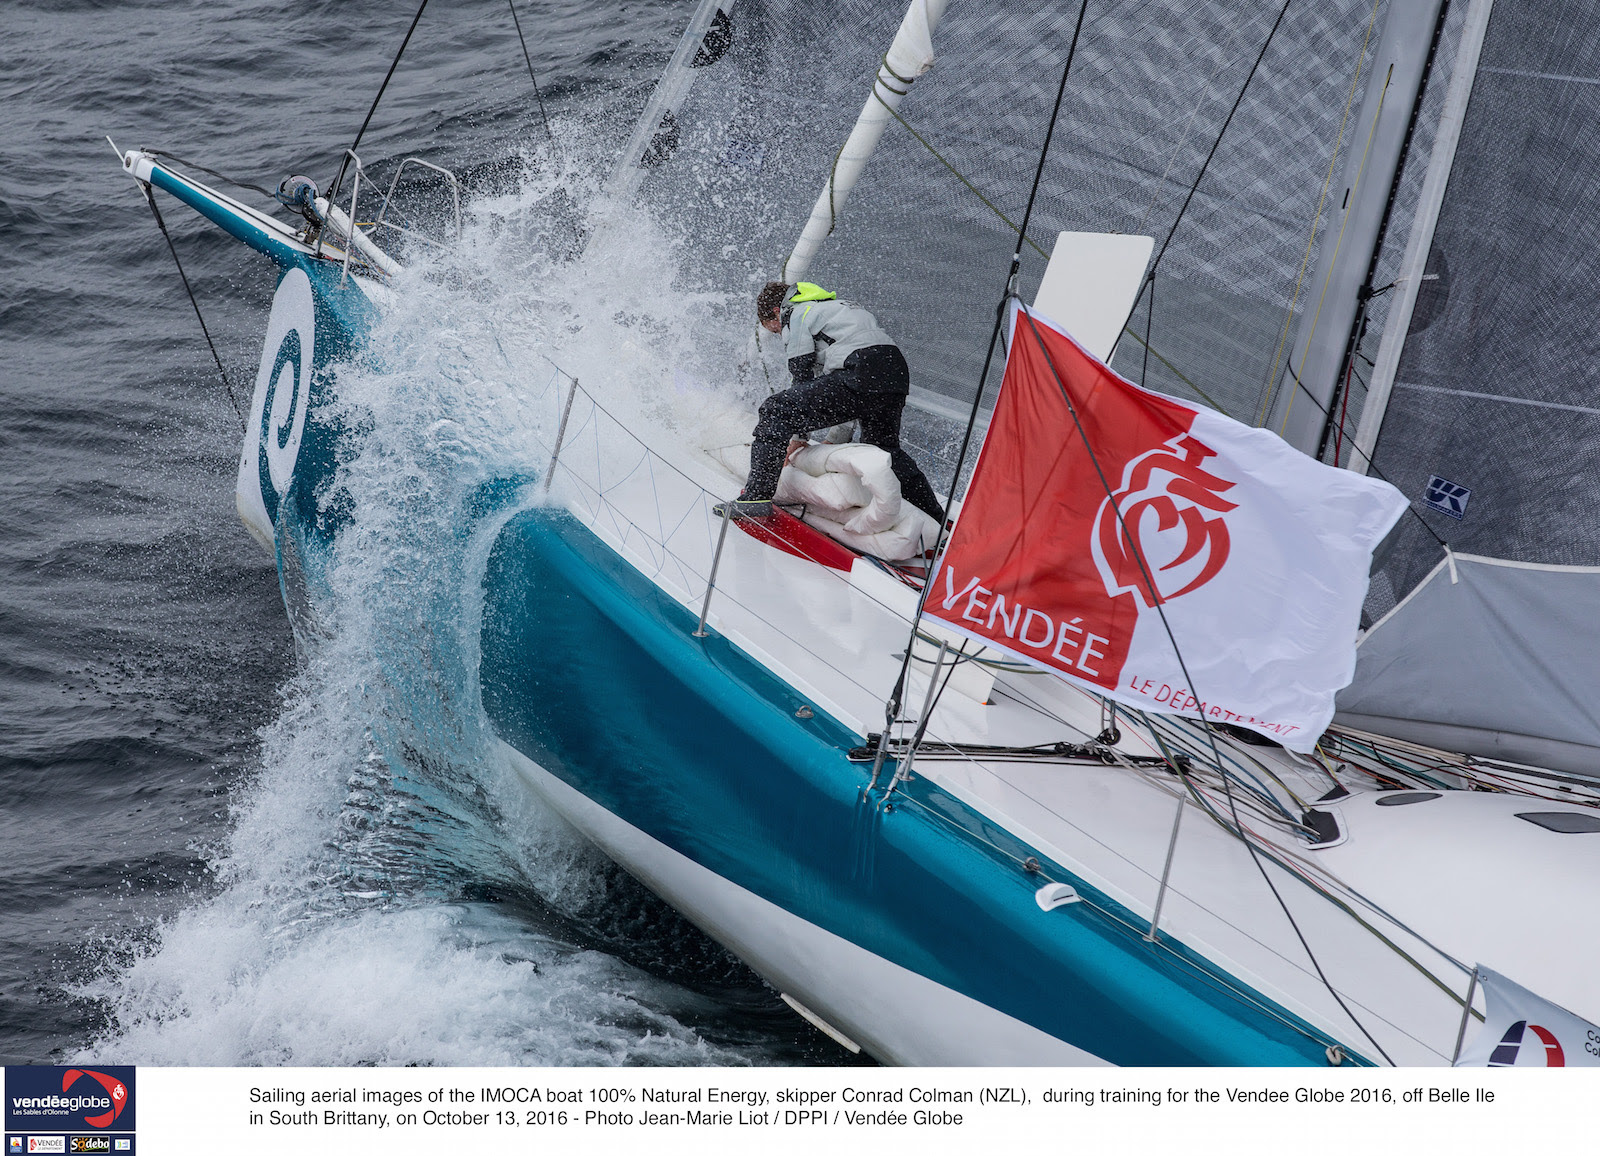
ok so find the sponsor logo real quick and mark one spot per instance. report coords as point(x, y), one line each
point(1171, 508)
point(1510, 1050)
point(1446, 497)
point(124, 1144)
point(47, 1143)
point(90, 1144)
point(15, 1145)
point(68, 1099)
point(283, 387)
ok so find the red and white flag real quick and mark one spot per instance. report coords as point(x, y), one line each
point(1257, 554)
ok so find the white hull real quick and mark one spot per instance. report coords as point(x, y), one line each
point(896, 1015)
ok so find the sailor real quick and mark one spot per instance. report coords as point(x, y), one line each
point(844, 368)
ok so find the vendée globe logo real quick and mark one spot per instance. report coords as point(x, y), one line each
point(60, 1098)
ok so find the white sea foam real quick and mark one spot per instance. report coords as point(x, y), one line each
point(349, 925)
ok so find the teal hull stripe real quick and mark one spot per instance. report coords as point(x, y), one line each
point(593, 673)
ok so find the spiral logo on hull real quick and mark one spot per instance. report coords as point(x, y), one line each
point(283, 390)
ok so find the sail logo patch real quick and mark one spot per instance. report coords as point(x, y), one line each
point(1172, 508)
point(283, 387)
point(1510, 1047)
point(1446, 497)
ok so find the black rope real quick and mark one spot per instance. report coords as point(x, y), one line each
point(1150, 278)
point(268, 193)
point(892, 707)
point(149, 195)
point(1372, 466)
point(536, 96)
point(1172, 639)
point(395, 63)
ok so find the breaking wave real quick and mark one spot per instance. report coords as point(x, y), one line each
point(388, 893)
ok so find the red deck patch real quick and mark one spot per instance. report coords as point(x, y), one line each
point(784, 531)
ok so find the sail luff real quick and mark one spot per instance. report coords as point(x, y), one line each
point(1303, 399)
point(669, 93)
point(1425, 220)
point(909, 56)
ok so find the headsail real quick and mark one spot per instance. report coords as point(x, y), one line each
point(1493, 425)
point(927, 235)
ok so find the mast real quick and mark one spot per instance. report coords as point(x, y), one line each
point(1409, 281)
point(1323, 340)
point(909, 56)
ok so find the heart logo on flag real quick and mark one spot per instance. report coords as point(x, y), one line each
point(1172, 509)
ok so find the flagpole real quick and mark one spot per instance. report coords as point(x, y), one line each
point(1466, 1014)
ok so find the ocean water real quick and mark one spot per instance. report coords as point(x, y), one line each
point(218, 846)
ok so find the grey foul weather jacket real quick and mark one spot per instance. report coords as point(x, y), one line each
point(828, 331)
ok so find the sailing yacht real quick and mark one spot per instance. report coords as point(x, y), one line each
point(937, 853)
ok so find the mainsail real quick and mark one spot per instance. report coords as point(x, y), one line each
point(735, 164)
point(1493, 425)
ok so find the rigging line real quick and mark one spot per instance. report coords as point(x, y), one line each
point(1187, 784)
point(1303, 875)
point(1150, 277)
point(512, 4)
point(1199, 965)
point(268, 193)
point(1034, 245)
point(1316, 217)
point(892, 706)
point(959, 175)
point(362, 131)
point(1372, 466)
point(1178, 373)
point(1155, 600)
point(1188, 124)
point(149, 195)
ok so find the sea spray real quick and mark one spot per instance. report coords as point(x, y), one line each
point(388, 894)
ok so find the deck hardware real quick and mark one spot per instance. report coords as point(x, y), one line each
point(1335, 1055)
point(1166, 871)
point(903, 772)
point(716, 560)
point(1053, 895)
point(804, 712)
point(561, 433)
point(1031, 865)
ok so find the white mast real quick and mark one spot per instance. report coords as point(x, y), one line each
point(909, 56)
point(1398, 323)
point(1350, 236)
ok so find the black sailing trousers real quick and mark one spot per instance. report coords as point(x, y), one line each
point(871, 388)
